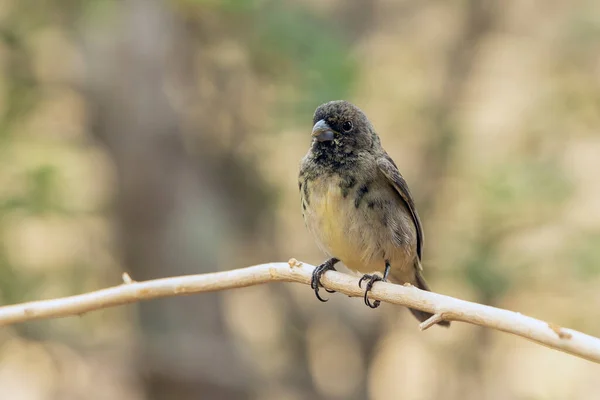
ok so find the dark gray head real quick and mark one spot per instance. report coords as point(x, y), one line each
point(340, 128)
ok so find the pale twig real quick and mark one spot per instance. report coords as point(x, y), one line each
point(442, 307)
point(429, 322)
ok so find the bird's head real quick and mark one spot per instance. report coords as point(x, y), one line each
point(341, 128)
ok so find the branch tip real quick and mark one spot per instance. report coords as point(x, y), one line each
point(429, 322)
point(126, 278)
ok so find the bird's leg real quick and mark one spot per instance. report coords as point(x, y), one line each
point(315, 282)
point(371, 279)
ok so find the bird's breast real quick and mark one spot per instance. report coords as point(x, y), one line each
point(362, 222)
point(326, 214)
point(340, 214)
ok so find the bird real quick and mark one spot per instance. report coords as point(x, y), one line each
point(357, 205)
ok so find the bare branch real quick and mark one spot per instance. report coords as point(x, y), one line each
point(443, 307)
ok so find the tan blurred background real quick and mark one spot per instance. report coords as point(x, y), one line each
point(162, 137)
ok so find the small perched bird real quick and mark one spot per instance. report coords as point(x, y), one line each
point(357, 205)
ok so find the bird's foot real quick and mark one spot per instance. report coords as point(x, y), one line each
point(370, 279)
point(315, 282)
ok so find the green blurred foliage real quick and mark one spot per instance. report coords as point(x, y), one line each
point(583, 254)
point(16, 286)
point(305, 52)
point(21, 87)
point(514, 197)
point(523, 192)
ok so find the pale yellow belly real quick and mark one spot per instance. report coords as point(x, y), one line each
point(354, 235)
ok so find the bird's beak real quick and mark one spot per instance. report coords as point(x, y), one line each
point(322, 132)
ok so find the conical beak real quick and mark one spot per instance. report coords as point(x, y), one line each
point(322, 132)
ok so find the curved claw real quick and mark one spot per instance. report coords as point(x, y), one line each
point(315, 282)
point(371, 279)
point(360, 281)
point(319, 296)
point(375, 304)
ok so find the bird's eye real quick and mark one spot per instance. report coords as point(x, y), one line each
point(347, 126)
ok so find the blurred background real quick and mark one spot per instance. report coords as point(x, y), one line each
point(162, 137)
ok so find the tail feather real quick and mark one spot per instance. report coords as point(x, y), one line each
point(422, 315)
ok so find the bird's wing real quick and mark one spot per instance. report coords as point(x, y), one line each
point(388, 168)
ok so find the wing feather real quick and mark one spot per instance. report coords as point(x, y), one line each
point(388, 168)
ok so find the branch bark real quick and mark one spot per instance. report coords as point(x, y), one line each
point(443, 307)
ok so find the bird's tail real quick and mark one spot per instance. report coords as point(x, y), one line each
point(419, 282)
point(422, 284)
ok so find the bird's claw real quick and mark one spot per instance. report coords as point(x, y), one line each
point(315, 282)
point(371, 279)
